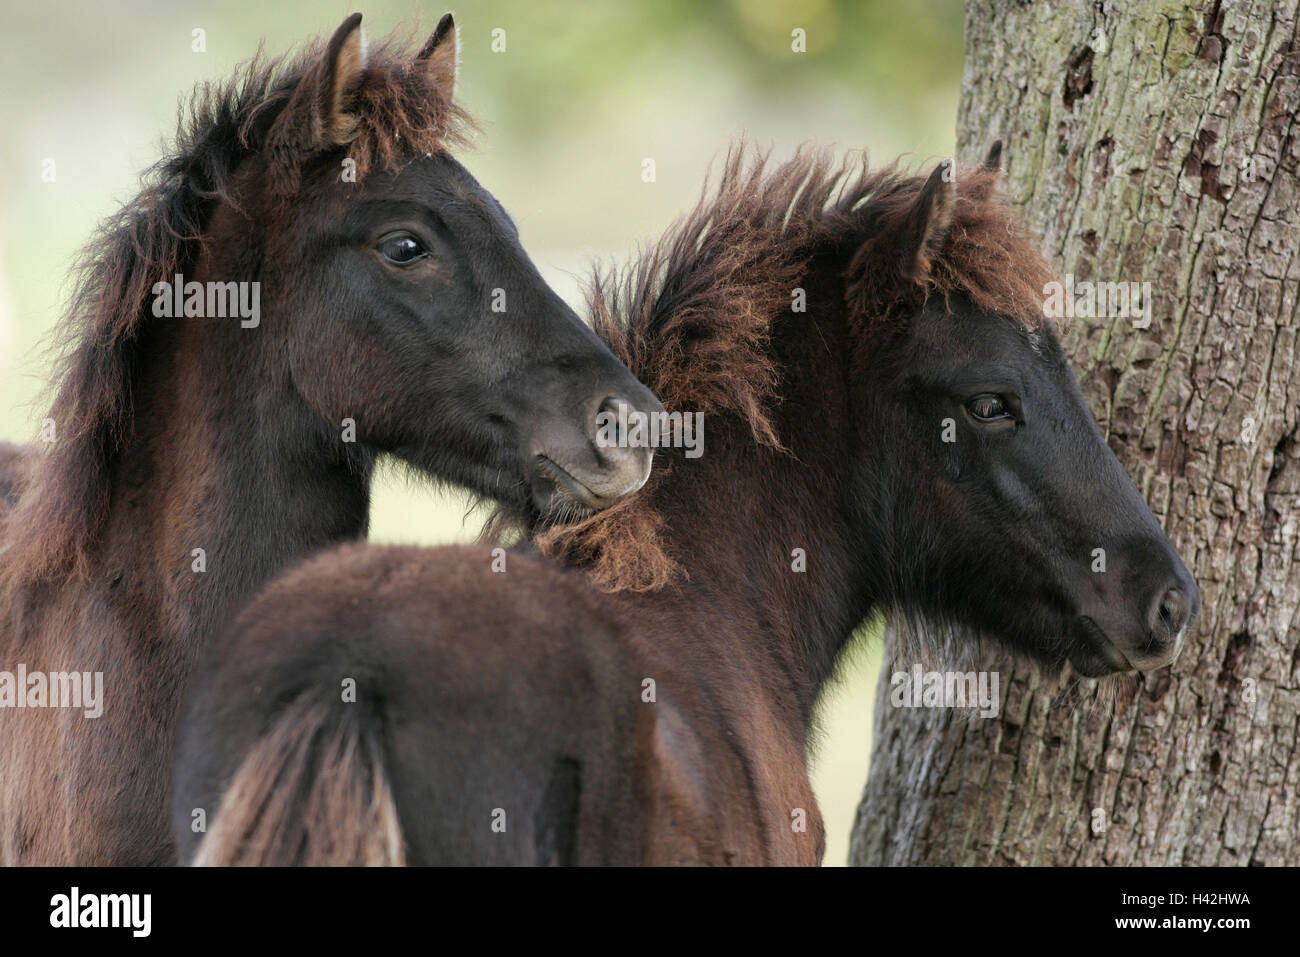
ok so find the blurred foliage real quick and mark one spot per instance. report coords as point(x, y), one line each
point(582, 93)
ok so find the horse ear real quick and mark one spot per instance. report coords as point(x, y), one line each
point(318, 114)
point(993, 160)
point(926, 228)
point(341, 69)
point(439, 57)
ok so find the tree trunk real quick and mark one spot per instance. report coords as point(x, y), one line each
point(1149, 140)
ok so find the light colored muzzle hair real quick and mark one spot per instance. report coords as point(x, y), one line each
point(934, 644)
point(312, 792)
point(947, 646)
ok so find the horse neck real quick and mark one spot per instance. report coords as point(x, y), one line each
point(225, 458)
point(737, 514)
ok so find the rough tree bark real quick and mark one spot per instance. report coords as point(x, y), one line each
point(1146, 140)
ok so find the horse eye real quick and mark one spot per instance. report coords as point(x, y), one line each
point(988, 408)
point(402, 249)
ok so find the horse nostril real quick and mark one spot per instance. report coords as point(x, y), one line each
point(1172, 612)
point(623, 432)
point(616, 423)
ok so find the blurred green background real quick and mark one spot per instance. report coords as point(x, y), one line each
point(582, 93)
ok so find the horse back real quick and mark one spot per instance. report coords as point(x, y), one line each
point(461, 715)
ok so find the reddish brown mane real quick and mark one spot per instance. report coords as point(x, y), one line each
point(692, 315)
point(398, 116)
point(989, 258)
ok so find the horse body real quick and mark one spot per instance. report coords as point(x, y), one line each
point(483, 707)
point(198, 456)
point(915, 442)
point(142, 612)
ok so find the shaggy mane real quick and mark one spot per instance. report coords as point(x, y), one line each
point(398, 116)
point(692, 315)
